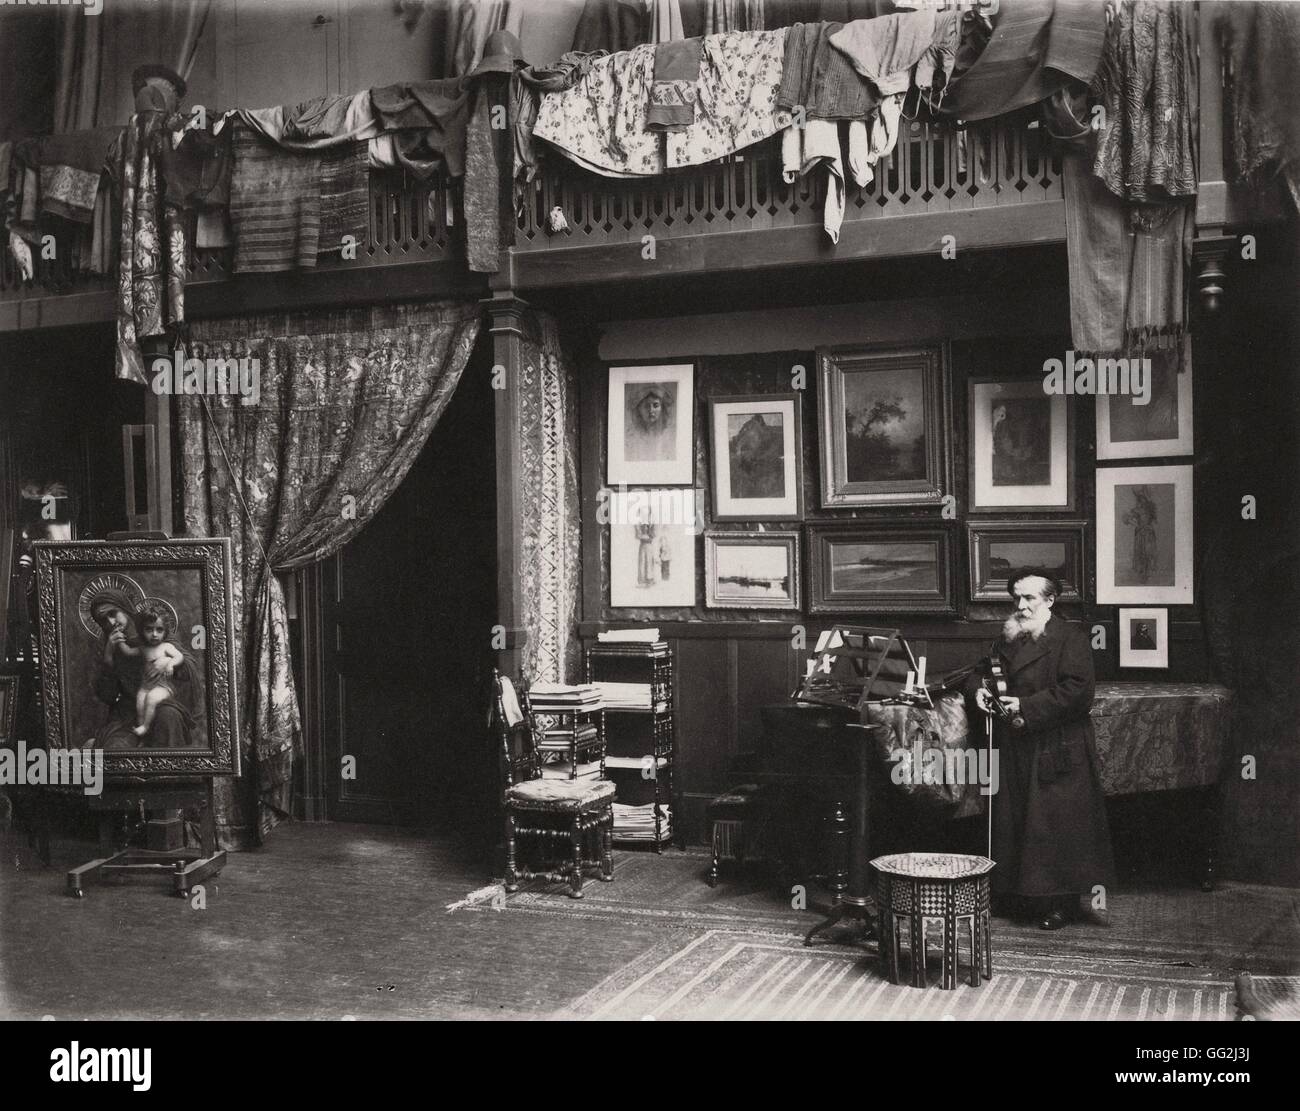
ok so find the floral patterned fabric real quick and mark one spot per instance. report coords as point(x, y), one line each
point(1160, 736)
point(600, 123)
point(913, 731)
point(347, 400)
point(151, 266)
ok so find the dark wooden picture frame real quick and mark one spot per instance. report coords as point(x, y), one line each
point(86, 586)
point(899, 543)
point(714, 595)
point(888, 430)
point(987, 585)
point(757, 508)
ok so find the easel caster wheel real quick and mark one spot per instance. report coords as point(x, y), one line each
point(77, 894)
point(184, 893)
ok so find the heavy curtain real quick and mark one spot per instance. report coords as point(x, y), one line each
point(344, 402)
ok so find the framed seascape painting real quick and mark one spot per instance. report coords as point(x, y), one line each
point(751, 570)
point(1156, 422)
point(138, 655)
point(880, 569)
point(1021, 447)
point(999, 547)
point(1143, 637)
point(885, 426)
point(651, 549)
point(651, 425)
point(1144, 535)
point(757, 456)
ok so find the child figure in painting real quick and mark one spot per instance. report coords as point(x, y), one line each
point(160, 659)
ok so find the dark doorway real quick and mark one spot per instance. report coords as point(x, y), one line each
point(406, 612)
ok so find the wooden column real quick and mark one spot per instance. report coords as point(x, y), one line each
point(506, 317)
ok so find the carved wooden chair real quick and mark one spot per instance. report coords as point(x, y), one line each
point(568, 824)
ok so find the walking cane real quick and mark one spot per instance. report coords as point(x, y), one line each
point(988, 735)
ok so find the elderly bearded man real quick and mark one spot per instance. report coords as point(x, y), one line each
point(1050, 838)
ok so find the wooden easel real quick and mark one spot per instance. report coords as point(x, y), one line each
point(185, 866)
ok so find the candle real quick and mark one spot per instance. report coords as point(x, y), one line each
point(920, 673)
point(911, 678)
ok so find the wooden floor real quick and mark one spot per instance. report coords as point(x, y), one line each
point(334, 920)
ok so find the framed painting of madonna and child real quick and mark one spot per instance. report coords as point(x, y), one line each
point(137, 653)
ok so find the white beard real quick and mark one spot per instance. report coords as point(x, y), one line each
point(1015, 627)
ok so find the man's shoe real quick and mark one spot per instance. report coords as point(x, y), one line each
point(1053, 921)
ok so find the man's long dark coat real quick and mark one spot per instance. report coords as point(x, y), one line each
point(1050, 835)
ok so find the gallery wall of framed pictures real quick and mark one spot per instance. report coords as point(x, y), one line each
point(904, 480)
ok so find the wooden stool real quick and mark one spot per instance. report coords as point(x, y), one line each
point(920, 888)
point(736, 821)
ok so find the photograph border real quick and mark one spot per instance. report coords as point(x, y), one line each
point(1182, 444)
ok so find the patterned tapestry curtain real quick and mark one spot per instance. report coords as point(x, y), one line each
point(550, 522)
point(340, 404)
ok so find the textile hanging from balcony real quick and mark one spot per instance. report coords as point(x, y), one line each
point(1262, 48)
point(345, 401)
point(151, 255)
point(600, 122)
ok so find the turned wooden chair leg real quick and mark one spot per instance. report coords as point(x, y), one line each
point(607, 846)
point(512, 880)
point(575, 879)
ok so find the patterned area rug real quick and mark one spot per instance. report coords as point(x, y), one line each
point(733, 975)
point(1238, 927)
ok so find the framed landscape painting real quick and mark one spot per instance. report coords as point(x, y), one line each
point(885, 426)
point(1021, 447)
point(885, 568)
point(651, 425)
point(137, 653)
point(1156, 424)
point(998, 548)
point(1144, 535)
point(751, 570)
point(757, 457)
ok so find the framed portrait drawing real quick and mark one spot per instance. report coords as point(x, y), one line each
point(880, 568)
point(651, 548)
point(1021, 447)
point(757, 457)
point(751, 570)
point(651, 425)
point(138, 654)
point(1143, 637)
point(8, 709)
point(998, 548)
point(885, 426)
point(1144, 535)
point(1161, 424)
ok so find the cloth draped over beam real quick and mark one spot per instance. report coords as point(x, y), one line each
point(347, 400)
point(1129, 211)
point(1262, 49)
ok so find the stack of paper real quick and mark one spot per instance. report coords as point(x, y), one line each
point(624, 696)
point(564, 697)
point(637, 823)
point(629, 636)
point(563, 769)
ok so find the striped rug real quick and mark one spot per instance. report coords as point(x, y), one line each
point(736, 975)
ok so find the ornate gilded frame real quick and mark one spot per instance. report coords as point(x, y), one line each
point(211, 558)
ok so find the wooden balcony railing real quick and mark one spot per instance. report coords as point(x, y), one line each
point(1003, 166)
